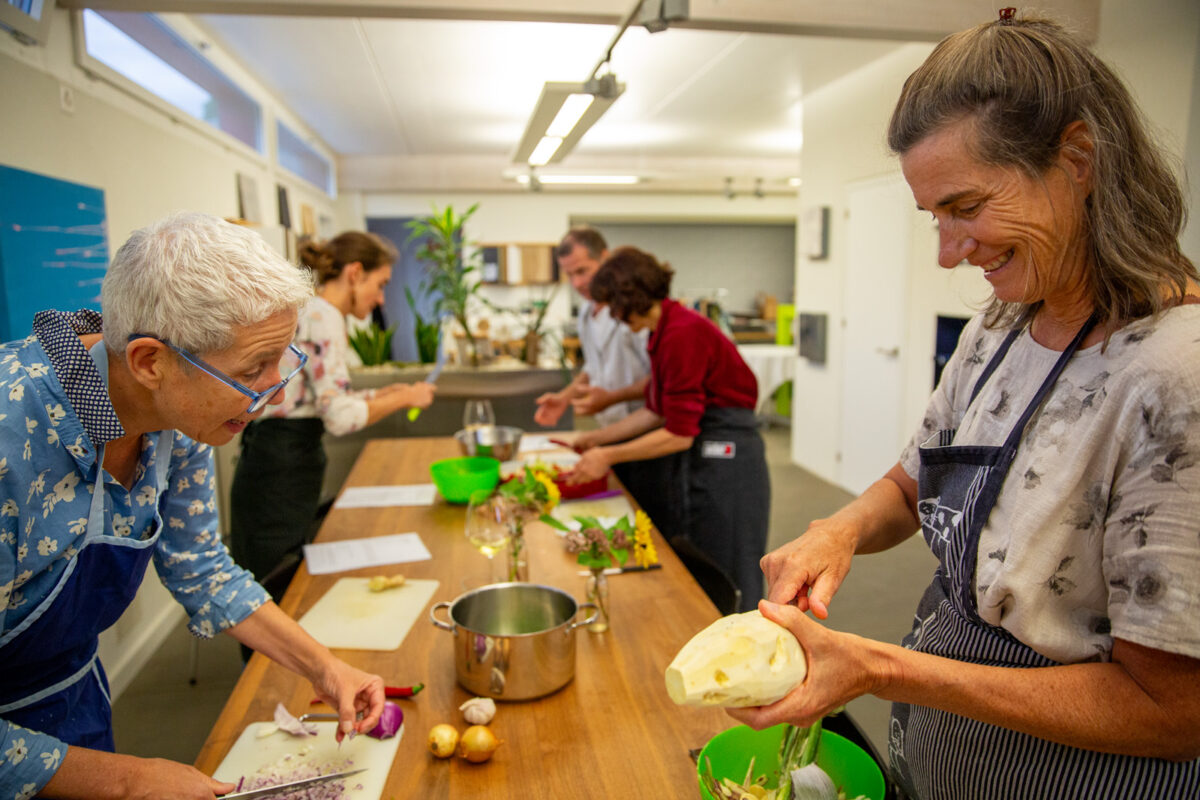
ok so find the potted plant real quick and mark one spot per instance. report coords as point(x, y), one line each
point(373, 344)
point(426, 332)
point(448, 267)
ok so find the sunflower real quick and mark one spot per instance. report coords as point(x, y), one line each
point(552, 493)
point(643, 546)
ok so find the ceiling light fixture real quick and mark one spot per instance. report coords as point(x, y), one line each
point(565, 111)
point(596, 180)
point(563, 114)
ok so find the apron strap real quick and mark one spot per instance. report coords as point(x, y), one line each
point(994, 362)
point(1018, 430)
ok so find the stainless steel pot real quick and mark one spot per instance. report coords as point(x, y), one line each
point(513, 641)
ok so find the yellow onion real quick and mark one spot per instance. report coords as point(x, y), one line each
point(442, 740)
point(477, 744)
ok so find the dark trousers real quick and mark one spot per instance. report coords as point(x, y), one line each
point(717, 495)
point(276, 491)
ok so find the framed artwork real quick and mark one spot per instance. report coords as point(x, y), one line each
point(308, 220)
point(285, 208)
point(248, 205)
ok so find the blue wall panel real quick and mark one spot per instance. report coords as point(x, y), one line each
point(53, 248)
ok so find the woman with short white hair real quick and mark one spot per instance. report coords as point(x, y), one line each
point(106, 463)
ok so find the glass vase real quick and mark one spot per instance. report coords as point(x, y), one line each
point(597, 592)
point(518, 553)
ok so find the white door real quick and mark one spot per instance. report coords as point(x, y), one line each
point(876, 287)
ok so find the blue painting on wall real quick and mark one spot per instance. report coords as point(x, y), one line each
point(53, 248)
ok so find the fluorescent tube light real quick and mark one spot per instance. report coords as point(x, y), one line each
point(545, 150)
point(572, 109)
point(608, 180)
point(556, 107)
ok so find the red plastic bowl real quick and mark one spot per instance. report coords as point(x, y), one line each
point(579, 490)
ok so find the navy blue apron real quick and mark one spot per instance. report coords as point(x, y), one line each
point(935, 754)
point(50, 677)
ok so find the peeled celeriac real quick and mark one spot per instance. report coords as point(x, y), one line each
point(739, 660)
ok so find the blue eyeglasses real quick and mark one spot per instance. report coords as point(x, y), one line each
point(257, 399)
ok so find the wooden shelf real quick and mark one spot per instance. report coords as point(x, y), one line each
point(519, 263)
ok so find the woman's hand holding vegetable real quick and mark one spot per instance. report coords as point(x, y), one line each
point(807, 571)
point(841, 667)
point(356, 695)
point(412, 395)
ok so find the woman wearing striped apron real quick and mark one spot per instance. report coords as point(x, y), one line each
point(1056, 475)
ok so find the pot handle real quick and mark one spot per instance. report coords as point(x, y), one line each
point(595, 615)
point(433, 616)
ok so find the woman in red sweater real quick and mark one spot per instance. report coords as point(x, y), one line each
point(713, 488)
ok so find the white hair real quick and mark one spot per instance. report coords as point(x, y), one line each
point(192, 278)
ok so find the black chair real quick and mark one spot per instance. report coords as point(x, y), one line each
point(844, 725)
point(715, 582)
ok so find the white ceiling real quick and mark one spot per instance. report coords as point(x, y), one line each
point(433, 95)
point(445, 91)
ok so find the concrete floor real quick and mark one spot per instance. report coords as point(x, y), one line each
point(876, 600)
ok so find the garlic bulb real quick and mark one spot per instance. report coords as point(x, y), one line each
point(478, 710)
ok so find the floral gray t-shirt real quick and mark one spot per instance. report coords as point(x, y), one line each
point(1096, 533)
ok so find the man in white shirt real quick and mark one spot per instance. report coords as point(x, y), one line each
point(616, 366)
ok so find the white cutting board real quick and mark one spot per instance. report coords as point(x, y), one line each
point(251, 753)
point(351, 617)
point(607, 510)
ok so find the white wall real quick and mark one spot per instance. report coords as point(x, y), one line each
point(545, 216)
point(147, 165)
point(1154, 45)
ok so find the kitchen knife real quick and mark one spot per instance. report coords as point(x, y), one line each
point(620, 570)
point(282, 789)
point(413, 413)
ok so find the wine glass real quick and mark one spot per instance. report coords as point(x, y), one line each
point(478, 414)
point(487, 525)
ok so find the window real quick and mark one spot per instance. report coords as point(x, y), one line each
point(299, 158)
point(26, 19)
point(143, 49)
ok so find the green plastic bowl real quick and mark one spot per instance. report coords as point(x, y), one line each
point(852, 769)
point(457, 478)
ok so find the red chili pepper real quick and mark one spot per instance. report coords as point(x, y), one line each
point(389, 691)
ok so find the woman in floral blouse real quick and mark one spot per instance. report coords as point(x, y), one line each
point(106, 464)
point(1056, 476)
point(277, 484)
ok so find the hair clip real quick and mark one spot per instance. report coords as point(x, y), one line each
point(1006, 15)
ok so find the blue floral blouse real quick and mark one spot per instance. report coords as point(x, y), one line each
point(54, 414)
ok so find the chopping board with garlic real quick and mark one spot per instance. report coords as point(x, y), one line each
point(358, 615)
point(265, 755)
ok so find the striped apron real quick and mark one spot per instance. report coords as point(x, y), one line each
point(936, 754)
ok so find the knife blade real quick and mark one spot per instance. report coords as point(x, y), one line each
point(622, 570)
point(281, 789)
point(413, 413)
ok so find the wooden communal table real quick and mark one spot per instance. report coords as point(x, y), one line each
point(611, 732)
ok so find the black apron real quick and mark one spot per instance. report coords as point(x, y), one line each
point(717, 495)
point(936, 754)
point(276, 491)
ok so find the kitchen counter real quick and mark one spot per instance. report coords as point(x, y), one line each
point(611, 732)
point(511, 385)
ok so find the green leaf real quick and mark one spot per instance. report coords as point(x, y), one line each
point(553, 523)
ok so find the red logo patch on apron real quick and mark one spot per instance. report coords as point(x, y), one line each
point(718, 450)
